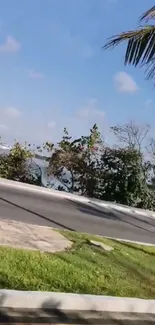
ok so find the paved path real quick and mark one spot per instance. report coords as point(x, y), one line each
point(24, 235)
point(44, 210)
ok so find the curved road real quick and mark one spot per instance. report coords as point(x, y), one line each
point(45, 210)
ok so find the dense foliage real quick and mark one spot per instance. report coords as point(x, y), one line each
point(18, 165)
point(123, 173)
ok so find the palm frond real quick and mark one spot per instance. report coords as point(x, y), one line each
point(149, 14)
point(150, 70)
point(140, 47)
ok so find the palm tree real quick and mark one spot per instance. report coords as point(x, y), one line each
point(140, 44)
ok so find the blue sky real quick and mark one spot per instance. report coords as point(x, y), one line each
point(53, 72)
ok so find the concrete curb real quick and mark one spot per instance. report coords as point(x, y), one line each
point(63, 195)
point(40, 190)
point(130, 210)
point(18, 306)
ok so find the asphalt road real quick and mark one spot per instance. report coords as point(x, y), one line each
point(62, 213)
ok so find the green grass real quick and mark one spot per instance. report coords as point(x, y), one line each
point(128, 270)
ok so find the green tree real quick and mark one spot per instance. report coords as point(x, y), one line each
point(89, 170)
point(64, 159)
point(18, 165)
point(74, 162)
point(151, 154)
point(122, 176)
point(140, 44)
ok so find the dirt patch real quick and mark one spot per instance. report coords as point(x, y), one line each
point(22, 235)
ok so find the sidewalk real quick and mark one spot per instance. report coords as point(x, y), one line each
point(23, 235)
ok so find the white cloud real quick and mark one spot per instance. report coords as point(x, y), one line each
point(10, 45)
point(51, 125)
point(91, 111)
point(11, 112)
point(35, 75)
point(125, 83)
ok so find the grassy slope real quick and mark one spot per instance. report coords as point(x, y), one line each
point(126, 271)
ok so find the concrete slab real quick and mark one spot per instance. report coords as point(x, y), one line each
point(22, 235)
